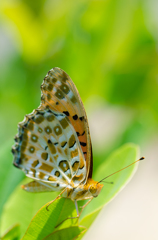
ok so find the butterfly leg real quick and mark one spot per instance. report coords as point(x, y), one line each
point(56, 198)
point(70, 217)
point(76, 206)
point(85, 205)
point(77, 210)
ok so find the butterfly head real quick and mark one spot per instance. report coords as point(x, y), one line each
point(94, 187)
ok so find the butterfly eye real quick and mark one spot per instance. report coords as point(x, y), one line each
point(92, 189)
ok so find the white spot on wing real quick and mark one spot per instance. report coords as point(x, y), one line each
point(70, 94)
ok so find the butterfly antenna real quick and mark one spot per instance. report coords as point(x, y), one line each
point(142, 158)
point(108, 182)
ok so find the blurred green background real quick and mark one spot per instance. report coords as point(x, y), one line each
point(110, 50)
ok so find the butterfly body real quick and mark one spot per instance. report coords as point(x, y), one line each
point(84, 191)
point(53, 145)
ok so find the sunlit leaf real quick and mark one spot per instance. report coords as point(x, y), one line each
point(66, 233)
point(119, 159)
point(12, 233)
point(45, 221)
point(22, 206)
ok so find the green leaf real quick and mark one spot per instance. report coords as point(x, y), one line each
point(22, 206)
point(119, 159)
point(12, 234)
point(67, 233)
point(8, 181)
point(45, 221)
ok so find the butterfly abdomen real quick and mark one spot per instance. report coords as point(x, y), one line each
point(79, 193)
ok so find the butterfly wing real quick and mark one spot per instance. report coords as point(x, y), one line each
point(36, 186)
point(47, 149)
point(60, 94)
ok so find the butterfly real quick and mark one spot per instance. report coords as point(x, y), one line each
point(53, 144)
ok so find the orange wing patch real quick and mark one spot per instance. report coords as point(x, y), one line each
point(60, 94)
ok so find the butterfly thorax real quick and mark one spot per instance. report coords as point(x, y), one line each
point(84, 191)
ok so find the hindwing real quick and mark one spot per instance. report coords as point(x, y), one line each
point(47, 149)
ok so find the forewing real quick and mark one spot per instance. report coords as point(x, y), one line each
point(60, 94)
point(47, 149)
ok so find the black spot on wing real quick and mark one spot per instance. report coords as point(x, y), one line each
point(13, 150)
point(58, 114)
point(83, 144)
point(66, 113)
point(81, 118)
point(46, 147)
point(64, 144)
point(39, 113)
point(75, 117)
point(78, 134)
point(16, 165)
point(17, 162)
point(50, 142)
point(72, 145)
point(82, 167)
point(48, 110)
